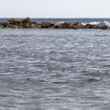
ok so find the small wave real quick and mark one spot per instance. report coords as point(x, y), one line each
point(101, 25)
point(107, 23)
point(7, 73)
point(104, 24)
point(94, 23)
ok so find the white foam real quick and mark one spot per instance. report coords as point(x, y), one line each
point(104, 24)
point(91, 23)
point(59, 23)
point(107, 23)
point(94, 23)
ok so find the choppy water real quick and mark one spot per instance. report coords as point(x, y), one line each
point(54, 69)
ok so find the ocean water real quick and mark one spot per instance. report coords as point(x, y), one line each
point(52, 69)
point(74, 20)
point(66, 20)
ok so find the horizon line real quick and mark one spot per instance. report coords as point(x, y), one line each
point(57, 17)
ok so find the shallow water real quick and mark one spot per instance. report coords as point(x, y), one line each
point(54, 69)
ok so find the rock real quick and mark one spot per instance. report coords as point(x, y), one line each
point(46, 25)
point(14, 21)
point(68, 25)
point(4, 25)
point(90, 26)
point(27, 20)
point(101, 26)
point(61, 25)
point(78, 26)
point(20, 23)
point(26, 23)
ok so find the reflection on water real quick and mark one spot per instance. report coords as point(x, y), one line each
point(54, 70)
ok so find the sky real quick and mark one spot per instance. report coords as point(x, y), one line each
point(55, 8)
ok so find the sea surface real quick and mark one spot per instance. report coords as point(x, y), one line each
point(48, 69)
point(66, 20)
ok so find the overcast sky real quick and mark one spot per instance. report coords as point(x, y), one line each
point(54, 8)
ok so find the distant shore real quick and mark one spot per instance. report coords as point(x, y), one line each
point(28, 23)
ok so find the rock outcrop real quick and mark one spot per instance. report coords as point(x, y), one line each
point(28, 23)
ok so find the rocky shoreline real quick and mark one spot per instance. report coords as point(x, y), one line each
point(28, 23)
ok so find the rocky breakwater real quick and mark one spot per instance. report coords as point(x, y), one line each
point(29, 23)
point(18, 23)
point(24, 23)
point(63, 25)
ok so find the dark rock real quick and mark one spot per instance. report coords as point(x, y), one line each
point(90, 26)
point(4, 25)
point(27, 20)
point(20, 23)
point(101, 26)
point(46, 25)
point(68, 25)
